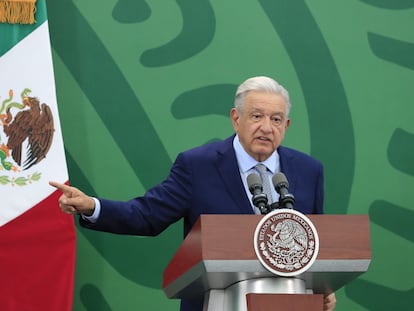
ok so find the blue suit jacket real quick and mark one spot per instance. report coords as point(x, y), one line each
point(206, 180)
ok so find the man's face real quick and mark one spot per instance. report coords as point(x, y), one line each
point(262, 124)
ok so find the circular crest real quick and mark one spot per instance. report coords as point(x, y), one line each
point(286, 242)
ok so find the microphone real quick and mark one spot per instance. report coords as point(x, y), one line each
point(281, 185)
point(259, 198)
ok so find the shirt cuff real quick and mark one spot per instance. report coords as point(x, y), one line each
point(94, 217)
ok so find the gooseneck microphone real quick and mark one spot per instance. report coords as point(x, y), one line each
point(259, 198)
point(281, 185)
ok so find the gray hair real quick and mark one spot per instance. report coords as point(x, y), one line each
point(260, 83)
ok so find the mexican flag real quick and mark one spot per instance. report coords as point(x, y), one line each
point(37, 240)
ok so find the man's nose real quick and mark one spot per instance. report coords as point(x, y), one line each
point(266, 125)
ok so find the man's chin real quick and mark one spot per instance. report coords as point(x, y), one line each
point(261, 155)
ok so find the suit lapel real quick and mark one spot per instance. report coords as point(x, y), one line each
point(230, 175)
point(287, 167)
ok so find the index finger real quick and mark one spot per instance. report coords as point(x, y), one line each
point(62, 187)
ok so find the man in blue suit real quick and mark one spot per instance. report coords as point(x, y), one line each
point(211, 179)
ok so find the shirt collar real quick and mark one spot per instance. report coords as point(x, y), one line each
point(247, 162)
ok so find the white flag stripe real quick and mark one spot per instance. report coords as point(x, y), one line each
point(20, 69)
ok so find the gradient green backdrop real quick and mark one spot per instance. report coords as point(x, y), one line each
point(139, 81)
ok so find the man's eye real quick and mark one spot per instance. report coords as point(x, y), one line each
point(256, 116)
point(277, 120)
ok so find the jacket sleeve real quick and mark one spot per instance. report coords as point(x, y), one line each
point(151, 213)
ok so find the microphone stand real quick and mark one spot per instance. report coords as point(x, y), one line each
point(286, 201)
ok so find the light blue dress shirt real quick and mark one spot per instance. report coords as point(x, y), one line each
point(247, 163)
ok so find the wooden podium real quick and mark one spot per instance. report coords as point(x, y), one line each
point(217, 260)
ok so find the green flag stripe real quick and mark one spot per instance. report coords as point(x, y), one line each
point(11, 34)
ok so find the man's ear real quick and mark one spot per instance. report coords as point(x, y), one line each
point(234, 116)
point(287, 124)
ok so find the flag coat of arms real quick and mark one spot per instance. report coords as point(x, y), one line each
point(37, 240)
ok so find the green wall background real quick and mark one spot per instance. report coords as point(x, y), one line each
point(139, 81)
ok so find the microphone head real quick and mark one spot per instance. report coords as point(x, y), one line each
point(279, 180)
point(254, 181)
point(259, 198)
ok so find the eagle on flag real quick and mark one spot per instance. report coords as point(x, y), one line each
point(34, 124)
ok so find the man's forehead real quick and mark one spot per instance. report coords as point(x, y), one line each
point(266, 107)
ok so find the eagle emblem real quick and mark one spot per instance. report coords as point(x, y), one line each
point(286, 242)
point(27, 135)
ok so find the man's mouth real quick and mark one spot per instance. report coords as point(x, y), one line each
point(262, 138)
